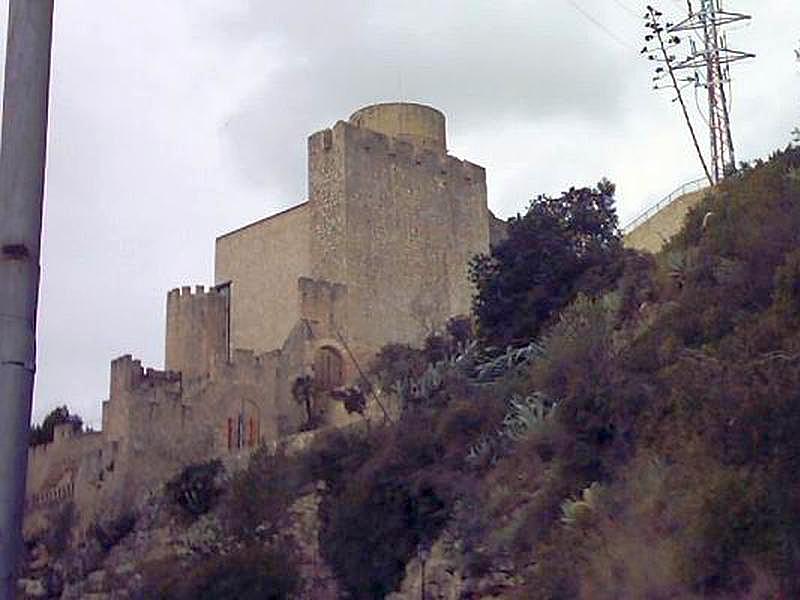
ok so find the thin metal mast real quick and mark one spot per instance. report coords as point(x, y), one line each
point(711, 66)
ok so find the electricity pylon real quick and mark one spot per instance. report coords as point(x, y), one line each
point(710, 59)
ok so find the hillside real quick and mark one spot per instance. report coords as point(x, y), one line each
point(640, 438)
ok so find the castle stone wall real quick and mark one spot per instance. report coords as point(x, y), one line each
point(49, 463)
point(656, 231)
point(196, 330)
point(262, 262)
point(422, 126)
point(397, 224)
point(171, 423)
point(378, 254)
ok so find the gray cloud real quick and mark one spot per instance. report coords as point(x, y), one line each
point(486, 68)
point(172, 122)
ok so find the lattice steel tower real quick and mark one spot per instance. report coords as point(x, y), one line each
point(710, 59)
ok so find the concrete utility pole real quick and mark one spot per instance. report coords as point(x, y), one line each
point(22, 160)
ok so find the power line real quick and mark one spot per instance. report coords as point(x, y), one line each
point(600, 25)
point(627, 9)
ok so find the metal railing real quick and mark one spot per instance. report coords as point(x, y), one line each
point(690, 186)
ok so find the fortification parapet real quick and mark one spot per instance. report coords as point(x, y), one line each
point(421, 125)
point(125, 374)
point(431, 161)
point(246, 365)
point(65, 431)
point(197, 334)
point(321, 300)
point(128, 374)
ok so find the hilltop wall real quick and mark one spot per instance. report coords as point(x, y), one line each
point(656, 231)
point(154, 423)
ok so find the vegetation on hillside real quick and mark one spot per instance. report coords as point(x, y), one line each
point(639, 439)
point(559, 247)
point(648, 452)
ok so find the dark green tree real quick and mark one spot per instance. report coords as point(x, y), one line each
point(560, 247)
point(43, 434)
point(303, 394)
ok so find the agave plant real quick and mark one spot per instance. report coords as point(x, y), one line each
point(484, 451)
point(525, 414)
point(512, 358)
point(577, 512)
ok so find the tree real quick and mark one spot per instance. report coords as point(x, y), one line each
point(796, 131)
point(560, 247)
point(660, 50)
point(303, 394)
point(43, 434)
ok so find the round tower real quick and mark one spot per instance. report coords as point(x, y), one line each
point(418, 124)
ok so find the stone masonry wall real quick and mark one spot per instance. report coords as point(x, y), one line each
point(656, 231)
point(397, 225)
point(154, 423)
point(170, 422)
point(263, 262)
point(197, 330)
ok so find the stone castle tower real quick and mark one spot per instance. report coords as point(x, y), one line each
point(378, 253)
point(390, 216)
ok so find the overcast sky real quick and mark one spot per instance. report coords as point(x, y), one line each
point(174, 121)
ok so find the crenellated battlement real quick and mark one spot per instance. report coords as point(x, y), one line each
point(199, 291)
point(245, 363)
point(197, 329)
point(128, 374)
point(430, 160)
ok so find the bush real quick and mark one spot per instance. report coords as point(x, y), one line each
point(197, 487)
point(261, 494)
point(560, 247)
point(62, 522)
point(394, 491)
point(395, 363)
point(251, 573)
point(111, 533)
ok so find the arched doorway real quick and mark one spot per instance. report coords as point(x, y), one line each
point(328, 369)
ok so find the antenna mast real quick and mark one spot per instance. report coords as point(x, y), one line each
point(711, 65)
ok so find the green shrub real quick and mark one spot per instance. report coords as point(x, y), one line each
point(110, 533)
point(261, 494)
point(397, 495)
point(787, 287)
point(197, 487)
point(560, 247)
point(251, 573)
point(62, 523)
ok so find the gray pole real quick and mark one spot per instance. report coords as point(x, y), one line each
point(22, 160)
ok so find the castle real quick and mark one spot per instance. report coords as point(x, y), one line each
point(378, 253)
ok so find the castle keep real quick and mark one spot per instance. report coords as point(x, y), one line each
point(378, 253)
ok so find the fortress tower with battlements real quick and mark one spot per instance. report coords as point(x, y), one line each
point(378, 253)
